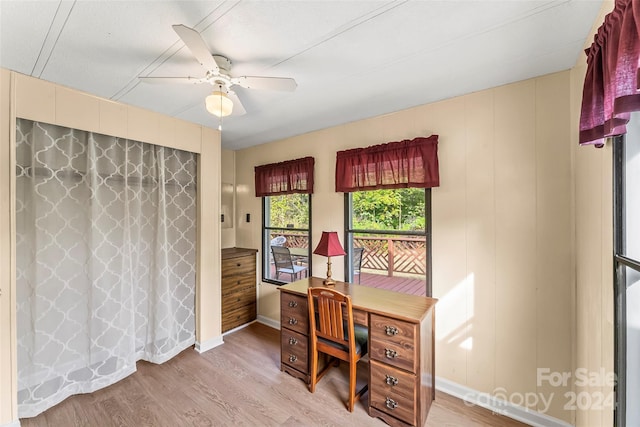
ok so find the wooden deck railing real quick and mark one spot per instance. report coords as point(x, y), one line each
point(390, 254)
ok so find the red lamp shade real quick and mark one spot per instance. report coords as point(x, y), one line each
point(329, 245)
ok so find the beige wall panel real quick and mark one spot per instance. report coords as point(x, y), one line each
point(269, 302)
point(8, 404)
point(228, 176)
point(589, 244)
point(166, 132)
point(188, 136)
point(113, 118)
point(143, 125)
point(77, 110)
point(593, 249)
point(208, 299)
point(35, 99)
point(515, 174)
point(554, 239)
point(451, 283)
point(481, 245)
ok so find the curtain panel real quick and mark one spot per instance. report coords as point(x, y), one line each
point(105, 266)
point(402, 164)
point(292, 176)
point(612, 85)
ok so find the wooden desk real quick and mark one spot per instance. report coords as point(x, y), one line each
point(401, 346)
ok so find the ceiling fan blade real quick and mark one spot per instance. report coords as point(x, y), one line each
point(238, 108)
point(194, 41)
point(181, 80)
point(268, 83)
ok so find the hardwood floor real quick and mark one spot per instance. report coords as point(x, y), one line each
point(236, 384)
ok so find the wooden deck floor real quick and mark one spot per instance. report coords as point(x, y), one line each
point(405, 285)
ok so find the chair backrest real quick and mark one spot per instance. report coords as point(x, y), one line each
point(278, 241)
point(330, 323)
point(357, 259)
point(282, 257)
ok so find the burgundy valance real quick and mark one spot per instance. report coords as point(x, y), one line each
point(402, 164)
point(611, 86)
point(292, 176)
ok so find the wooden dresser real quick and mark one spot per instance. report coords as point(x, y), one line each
point(401, 346)
point(238, 287)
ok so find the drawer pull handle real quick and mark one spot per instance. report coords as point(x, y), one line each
point(390, 403)
point(293, 341)
point(390, 354)
point(293, 304)
point(391, 330)
point(293, 321)
point(293, 358)
point(391, 380)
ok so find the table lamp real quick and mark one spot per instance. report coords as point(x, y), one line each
point(329, 246)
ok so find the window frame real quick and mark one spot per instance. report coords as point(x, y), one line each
point(620, 263)
point(349, 231)
point(266, 230)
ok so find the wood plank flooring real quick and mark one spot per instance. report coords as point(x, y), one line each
point(236, 384)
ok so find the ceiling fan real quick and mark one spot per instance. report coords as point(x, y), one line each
point(223, 101)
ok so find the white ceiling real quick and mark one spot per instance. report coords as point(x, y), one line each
point(351, 59)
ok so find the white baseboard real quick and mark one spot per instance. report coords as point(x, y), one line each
point(15, 423)
point(499, 406)
point(214, 342)
point(269, 322)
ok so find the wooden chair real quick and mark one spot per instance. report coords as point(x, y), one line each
point(284, 263)
point(335, 336)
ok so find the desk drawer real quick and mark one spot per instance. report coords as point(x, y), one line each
point(294, 350)
point(394, 342)
point(393, 391)
point(294, 312)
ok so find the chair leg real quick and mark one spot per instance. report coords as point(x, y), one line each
point(352, 386)
point(314, 372)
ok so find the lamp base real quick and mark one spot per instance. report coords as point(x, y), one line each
point(329, 281)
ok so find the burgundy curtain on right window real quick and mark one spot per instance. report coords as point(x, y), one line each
point(402, 164)
point(612, 84)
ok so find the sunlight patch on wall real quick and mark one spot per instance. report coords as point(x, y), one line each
point(454, 311)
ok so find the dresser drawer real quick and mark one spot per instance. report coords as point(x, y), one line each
point(239, 316)
point(294, 313)
point(394, 342)
point(239, 265)
point(237, 282)
point(240, 298)
point(393, 391)
point(295, 350)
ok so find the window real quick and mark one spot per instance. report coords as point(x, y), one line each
point(626, 171)
point(286, 223)
point(388, 239)
point(286, 189)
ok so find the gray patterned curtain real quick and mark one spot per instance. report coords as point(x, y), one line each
point(106, 231)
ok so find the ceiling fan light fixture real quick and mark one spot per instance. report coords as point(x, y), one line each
point(219, 104)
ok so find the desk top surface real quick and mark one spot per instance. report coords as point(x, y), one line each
point(411, 308)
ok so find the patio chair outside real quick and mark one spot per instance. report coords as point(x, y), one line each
point(278, 241)
point(284, 263)
point(357, 262)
